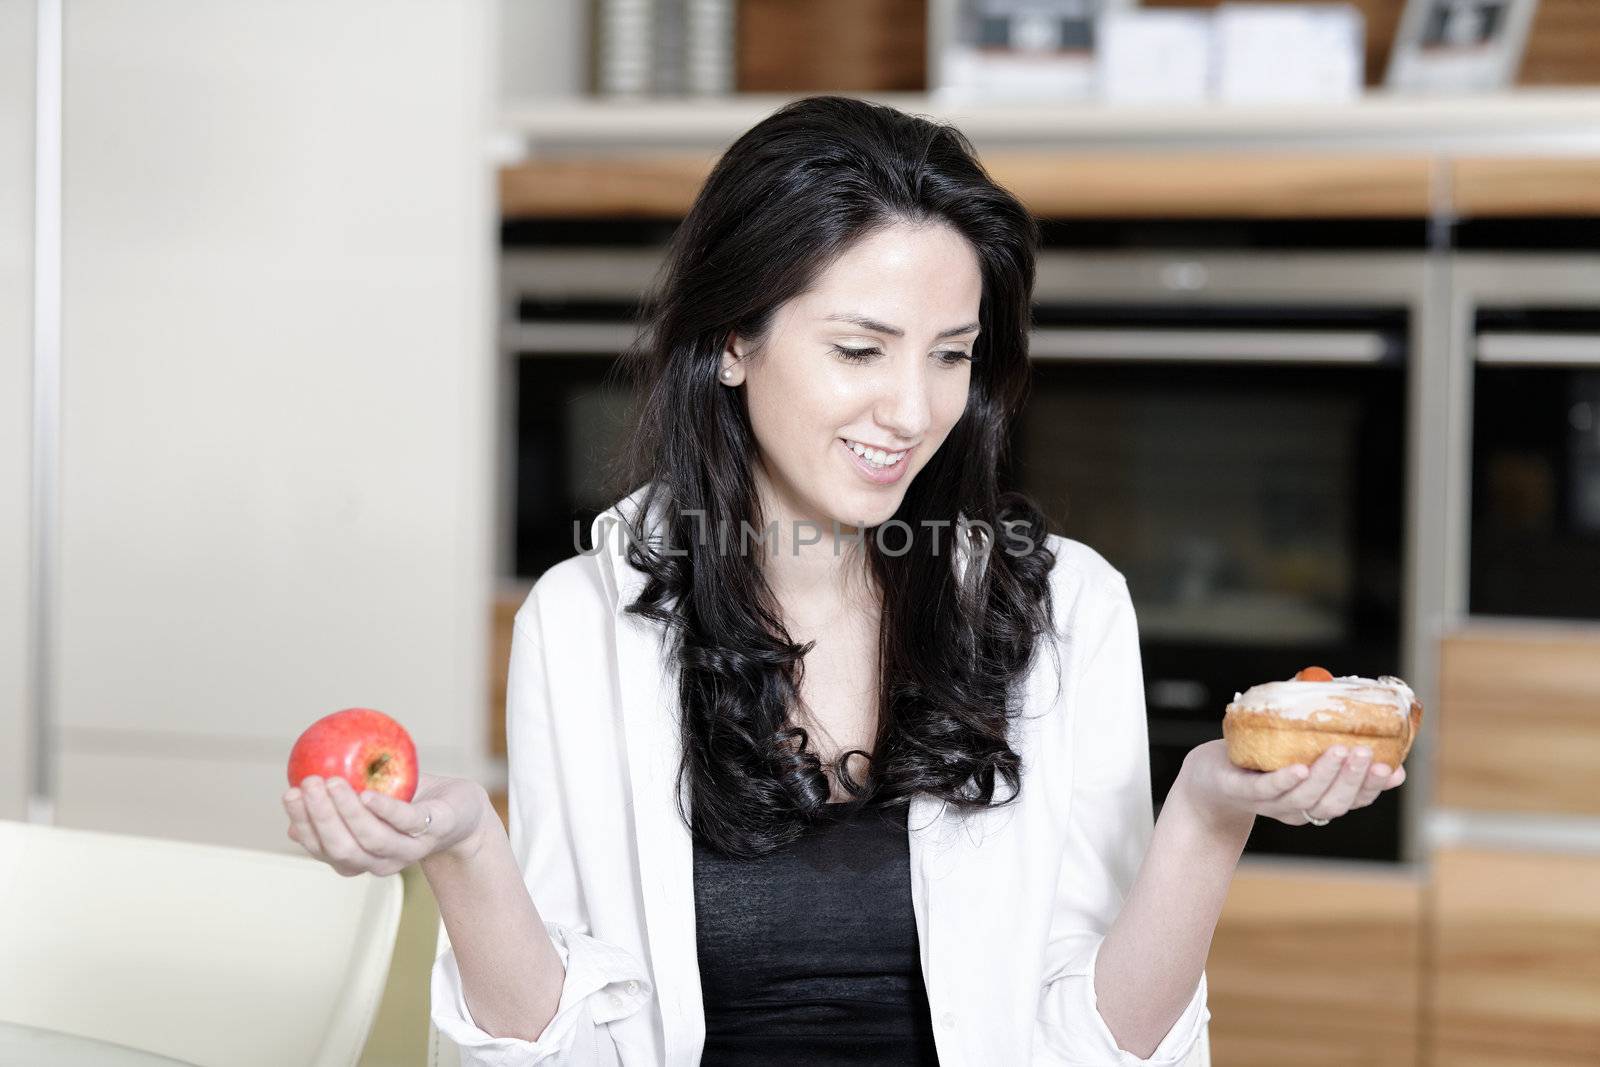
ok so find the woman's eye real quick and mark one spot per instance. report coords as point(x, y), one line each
point(949, 357)
point(855, 355)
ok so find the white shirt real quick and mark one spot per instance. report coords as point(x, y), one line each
point(1011, 902)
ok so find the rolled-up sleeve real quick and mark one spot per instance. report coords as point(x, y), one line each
point(604, 982)
point(1110, 825)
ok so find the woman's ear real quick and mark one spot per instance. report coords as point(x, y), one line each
point(731, 371)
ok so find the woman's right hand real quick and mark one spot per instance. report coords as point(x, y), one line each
point(371, 832)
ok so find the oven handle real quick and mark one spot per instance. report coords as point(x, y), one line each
point(567, 338)
point(1047, 342)
point(1213, 346)
point(1540, 349)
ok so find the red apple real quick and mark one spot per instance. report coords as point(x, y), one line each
point(364, 747)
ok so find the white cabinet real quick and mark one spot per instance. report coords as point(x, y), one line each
point(277, 396)
point(16, 399)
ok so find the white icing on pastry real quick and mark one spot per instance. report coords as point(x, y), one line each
point(1294, 699)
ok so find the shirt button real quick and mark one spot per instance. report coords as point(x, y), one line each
point(633, 987)
point(948, 1020)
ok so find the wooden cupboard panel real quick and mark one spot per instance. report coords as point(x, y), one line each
point(660, 185)
point(1316, 965)
point(832, 46)
point(1515, 958)
point(1052, 184)
point(1519, 720)
point(505, 613)
point(1528, 186)
point(1200, 185)
point(1563, 44)
point(501, 801)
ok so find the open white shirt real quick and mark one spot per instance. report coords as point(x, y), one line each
point(1011, 902)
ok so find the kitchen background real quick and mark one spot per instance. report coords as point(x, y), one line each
point(306, 312)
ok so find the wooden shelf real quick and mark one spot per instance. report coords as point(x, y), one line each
point(1053, 185)
point(1524, 186)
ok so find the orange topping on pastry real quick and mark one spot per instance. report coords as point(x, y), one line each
point(1313, 674)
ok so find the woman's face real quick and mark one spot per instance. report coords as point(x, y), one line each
point(875, 355)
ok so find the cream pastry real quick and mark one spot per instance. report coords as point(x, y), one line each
point(1277, 724)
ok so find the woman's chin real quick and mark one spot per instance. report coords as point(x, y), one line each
point(867, 509)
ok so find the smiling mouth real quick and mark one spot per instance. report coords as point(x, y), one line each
point(876, 458)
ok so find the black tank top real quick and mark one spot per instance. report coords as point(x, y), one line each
point(809, 956)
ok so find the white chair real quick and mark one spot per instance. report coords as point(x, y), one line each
point(223, 957)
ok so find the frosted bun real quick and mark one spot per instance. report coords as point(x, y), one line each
point(1277, 724)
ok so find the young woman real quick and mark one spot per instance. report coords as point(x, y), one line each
point(829, 752)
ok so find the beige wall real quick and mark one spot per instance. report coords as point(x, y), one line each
point(277, 386)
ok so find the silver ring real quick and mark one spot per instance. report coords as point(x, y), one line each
point(429, 822)
point(1312, 819)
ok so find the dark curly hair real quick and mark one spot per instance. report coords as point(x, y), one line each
point(787, 198)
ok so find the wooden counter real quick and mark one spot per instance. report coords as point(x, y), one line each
point(1180, 185)
point(1176, 185)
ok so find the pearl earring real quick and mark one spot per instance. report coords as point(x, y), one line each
point(727, 374)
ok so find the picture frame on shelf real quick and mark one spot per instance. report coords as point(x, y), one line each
point(981, 50)
point(1459, 46)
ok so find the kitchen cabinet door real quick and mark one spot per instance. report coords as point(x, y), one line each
point(277, 393)
point(1514, 962)
point(16, 399)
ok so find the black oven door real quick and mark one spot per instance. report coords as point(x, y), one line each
point(1245, 472)
point(1535, 542)
point(571, 415)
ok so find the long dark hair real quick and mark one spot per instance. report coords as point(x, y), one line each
point(780, 205)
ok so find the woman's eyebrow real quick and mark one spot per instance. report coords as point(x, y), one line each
point(895, 331)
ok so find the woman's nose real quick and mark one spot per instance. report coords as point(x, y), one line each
point(905, 409)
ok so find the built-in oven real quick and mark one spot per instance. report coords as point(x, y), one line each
point(1533, 499)
point(1231, 433)
point(1228, 429)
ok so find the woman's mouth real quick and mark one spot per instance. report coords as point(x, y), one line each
point(877, 466)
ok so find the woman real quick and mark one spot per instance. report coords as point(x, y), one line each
point(829, 752)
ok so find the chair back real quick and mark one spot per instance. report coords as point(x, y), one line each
point(218, 956)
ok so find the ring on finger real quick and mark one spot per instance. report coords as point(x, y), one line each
point(1313, 820)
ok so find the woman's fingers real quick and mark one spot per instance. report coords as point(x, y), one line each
point(1271, 785)
point(1378, 778)
point(371, 833)
point(1341, 795)
point(340, 846)
point(1323, 772)
point(404, 818)
point(300, 828)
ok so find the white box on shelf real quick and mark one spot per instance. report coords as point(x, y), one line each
point(1153, 56)
point(1282, 53)
point(991, 50)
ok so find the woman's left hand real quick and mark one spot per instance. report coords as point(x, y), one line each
point(1336, 783)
